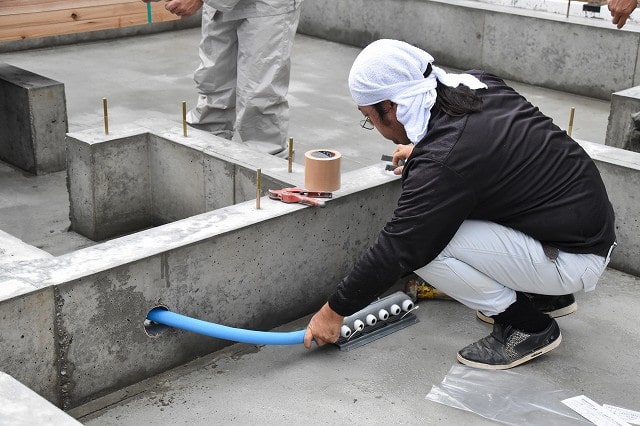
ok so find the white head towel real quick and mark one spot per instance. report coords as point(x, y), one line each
point(393, 70)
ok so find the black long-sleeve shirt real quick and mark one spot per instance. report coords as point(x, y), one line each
point(508, 164)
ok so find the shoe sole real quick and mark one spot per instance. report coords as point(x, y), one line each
point(515, 363)
point(569, 309)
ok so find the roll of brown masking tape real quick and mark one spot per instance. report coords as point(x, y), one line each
point(322, 170)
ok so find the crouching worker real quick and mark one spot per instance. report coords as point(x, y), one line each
point(500, 209)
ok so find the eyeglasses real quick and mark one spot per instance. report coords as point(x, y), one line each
point(366, 123)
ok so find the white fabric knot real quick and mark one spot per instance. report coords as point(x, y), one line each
point(393, 70)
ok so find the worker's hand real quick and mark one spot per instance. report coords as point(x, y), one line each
point(620, 10)
point(183, 7)
point(402, 152)
point(324, 327)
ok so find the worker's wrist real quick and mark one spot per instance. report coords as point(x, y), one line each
point(330, 314)
point(334, 304)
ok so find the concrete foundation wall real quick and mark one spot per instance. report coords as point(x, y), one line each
point(177, 188)
point(33, 121)
point(249, 277)
point(130, 179)
point(236, 265)
point(621, 126)
point(620, 170)
point(108, 184)
point(585, 56)
point(244, 274)
point(27, 336)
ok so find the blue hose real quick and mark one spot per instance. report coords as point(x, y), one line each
point(163, 316)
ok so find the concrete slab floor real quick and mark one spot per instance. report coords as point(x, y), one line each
point(385, 381)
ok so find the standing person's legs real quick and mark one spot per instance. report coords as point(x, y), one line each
point(216, 76)
point(264, 68)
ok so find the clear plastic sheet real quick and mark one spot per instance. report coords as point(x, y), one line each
point(504, 396)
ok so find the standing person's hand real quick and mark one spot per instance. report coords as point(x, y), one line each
point(181, 7)
point(620, 10)
point(324, 327)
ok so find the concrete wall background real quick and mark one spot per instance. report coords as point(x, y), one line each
point(584, 56)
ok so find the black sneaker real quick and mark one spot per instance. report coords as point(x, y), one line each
point(507, 347)
point(554, 306)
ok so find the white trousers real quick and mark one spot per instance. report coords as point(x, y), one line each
point(243, 78)
point(485, 264)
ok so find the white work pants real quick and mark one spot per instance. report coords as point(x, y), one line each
point(485, 264)
point(243, 78)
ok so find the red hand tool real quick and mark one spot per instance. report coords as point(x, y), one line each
point(299, 195)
